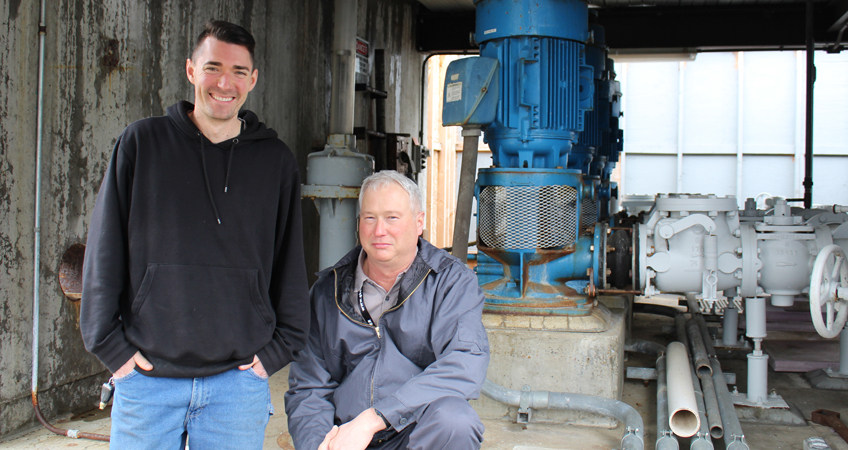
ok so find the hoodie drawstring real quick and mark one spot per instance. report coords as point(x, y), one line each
point(226, 175)
point(206, 177)
point(229, 164)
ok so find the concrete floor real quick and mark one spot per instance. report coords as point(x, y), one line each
point(504, 435)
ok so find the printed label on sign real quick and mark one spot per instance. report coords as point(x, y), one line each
point(490, 31)
point(454, 77)
point(363, 68)
point(362, 47)
point(454, 92)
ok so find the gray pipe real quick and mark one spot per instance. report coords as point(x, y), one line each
point(730, 324)
point(699, 352)
point(734, 439)
point(701, 440)
point(695, 311)
point(666, 440)
point(633, 429)
point(465, 196)
point(344, 68)
point(680, 326)
point(711, 406)
point(705, 335)
point(645, 347)
point(843, 351)
point(705, 374)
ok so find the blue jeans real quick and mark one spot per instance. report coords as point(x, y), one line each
point(225, 411)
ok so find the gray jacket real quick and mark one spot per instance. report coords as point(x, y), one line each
point(429, 345)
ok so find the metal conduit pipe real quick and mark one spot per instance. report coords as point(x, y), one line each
point(695, 311)
point(711, 407)
point(699, 352)
point(465, 196)
point(705, 375)
point(633, 429)
point(734, 439)
point(701, 440)
point(666, 440)
point(645, 347)
point(730, 324)
point(680, 327)
point(42, 31)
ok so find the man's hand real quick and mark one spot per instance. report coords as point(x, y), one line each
point(257, 367)
point(136, 360)
point(356, 434)
point(333, 432)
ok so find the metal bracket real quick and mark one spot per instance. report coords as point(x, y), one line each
point(524, 410)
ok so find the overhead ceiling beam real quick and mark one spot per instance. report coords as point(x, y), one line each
point(713, 27)
point(445, 31)
point(658, 27)
point(838, 11)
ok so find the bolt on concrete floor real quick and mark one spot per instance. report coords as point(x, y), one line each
point(505, 435)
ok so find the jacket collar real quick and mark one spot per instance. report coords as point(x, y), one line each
point(428, 259)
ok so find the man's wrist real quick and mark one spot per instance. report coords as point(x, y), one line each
point(385, 421)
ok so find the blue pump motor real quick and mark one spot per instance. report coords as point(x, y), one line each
point(536, 255)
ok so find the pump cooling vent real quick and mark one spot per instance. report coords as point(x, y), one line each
point(526, 217)
point(589, 212)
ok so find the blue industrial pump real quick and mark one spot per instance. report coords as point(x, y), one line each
point(599, 144)
point(536, 256)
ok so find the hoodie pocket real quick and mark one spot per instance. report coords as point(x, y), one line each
point(200, 314)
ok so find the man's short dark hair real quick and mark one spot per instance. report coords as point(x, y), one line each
point(226, 32)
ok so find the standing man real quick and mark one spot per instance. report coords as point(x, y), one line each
point(194, 287)
point(397, 346)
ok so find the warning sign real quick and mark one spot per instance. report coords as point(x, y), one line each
point(363, 51)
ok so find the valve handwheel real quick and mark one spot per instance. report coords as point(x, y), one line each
point(828, 291)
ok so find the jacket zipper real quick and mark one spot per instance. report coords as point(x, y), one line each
point(377, 327)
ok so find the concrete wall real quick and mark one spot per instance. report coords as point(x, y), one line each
point(107, 64)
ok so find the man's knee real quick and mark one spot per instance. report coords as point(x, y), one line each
point(455, 423)
point(453, 412)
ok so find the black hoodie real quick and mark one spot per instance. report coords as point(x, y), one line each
point(195, 251)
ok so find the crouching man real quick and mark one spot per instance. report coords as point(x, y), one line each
point(397, 346)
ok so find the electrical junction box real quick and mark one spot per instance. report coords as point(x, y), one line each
point(471, 92)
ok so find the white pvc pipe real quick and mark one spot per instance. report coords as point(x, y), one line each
point(683, 419)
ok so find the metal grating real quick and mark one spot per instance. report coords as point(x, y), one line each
point(527, 217)
point(588, 212)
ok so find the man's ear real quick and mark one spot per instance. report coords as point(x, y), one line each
point(190, 71)
point(253, 78)
point(419, 223)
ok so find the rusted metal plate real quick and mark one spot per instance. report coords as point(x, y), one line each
point(70, 271)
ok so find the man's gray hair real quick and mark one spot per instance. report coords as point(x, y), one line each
point(384, 178)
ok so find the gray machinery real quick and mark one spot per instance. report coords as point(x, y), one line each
point(333, 176)
point(702, 244)
point(544, 93)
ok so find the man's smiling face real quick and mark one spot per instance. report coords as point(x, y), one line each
point(222, 75)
